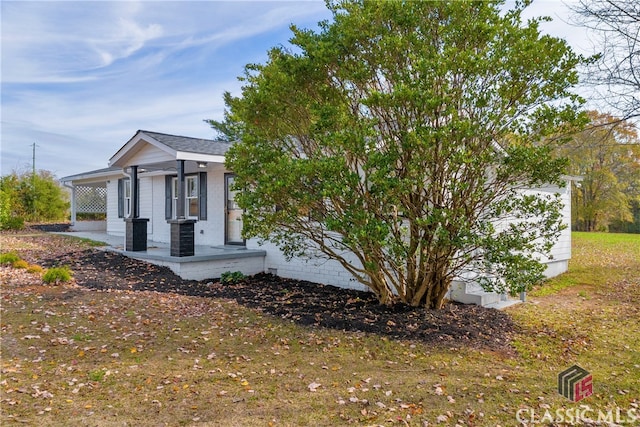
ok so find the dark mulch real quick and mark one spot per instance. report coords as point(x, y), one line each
point(51, 228)
point(306, 303)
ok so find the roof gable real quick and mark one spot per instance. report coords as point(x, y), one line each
point(170, 147)
point(191, 145)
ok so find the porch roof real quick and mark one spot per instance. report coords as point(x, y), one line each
point(97, 176)
point(172, 147)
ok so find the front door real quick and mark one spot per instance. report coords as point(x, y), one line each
point(233, 214)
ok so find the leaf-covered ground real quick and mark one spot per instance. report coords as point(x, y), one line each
point(121, 346)
point(303, 302)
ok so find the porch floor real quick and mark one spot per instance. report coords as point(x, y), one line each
point(159, 251)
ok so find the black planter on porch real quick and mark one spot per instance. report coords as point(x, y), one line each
point(182, 237)
point(136, 234)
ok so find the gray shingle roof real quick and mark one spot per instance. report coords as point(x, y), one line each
point(191, 145)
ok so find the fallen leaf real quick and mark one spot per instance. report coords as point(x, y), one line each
point(442, 418)
point(313, 386)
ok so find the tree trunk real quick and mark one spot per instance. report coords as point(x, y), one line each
point(431, 293)
point(439, 291)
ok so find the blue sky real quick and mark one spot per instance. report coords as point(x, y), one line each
point(80, 77)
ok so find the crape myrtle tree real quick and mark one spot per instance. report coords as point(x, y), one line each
point(398, 139)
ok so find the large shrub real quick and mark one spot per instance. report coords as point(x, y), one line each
point(31, 198)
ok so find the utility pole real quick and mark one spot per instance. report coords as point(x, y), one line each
point(33, 160)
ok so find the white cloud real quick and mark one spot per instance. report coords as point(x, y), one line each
point(75, 133)
point(80, 77)
point(128, 38)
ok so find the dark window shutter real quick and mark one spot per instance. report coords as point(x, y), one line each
point(121, 198)
point(202, 196)
point(168, 199)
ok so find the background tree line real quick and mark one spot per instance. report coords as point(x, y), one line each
point(604, 159)
point(606, 154)
point(28, 197)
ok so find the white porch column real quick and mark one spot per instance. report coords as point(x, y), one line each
point(180, 214)
point(73, 205)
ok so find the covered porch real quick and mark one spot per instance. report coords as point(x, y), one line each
point(88, 196)
point(183, 163)
point(208, 262)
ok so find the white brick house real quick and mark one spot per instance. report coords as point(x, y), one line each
point(183, 189)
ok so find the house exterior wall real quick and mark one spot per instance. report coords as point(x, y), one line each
point(332, 273)
point(203, 270)
point(160, 226)
point(324, 271)
point(152, 200)
point(146, 201)
point(210, 232)
point(115, 225)
point(560, 253)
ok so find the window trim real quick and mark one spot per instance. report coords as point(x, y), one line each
point(124, 197)
point(199, 194)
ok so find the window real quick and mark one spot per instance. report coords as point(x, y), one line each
point(127, 197)
point(195, 192)
point(174, 197)
point(124, 197)
point(192, 196)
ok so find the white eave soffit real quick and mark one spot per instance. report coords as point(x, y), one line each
point(196, 157)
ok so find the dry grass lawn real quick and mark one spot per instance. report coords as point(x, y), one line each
point(73, 356)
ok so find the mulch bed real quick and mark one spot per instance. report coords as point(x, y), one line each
point(305, 303)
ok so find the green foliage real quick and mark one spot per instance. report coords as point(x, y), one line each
point(57, 275)
point(229, 278)
point(96, 375)
point(8, 258)
point(8, 199)
point(25, 197)
point(633, 226)
point(12, 223)
point(400, 140)
point(91, 216)
point(606, 158)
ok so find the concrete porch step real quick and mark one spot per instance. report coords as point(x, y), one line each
point(501, 305)
point(472, 293)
